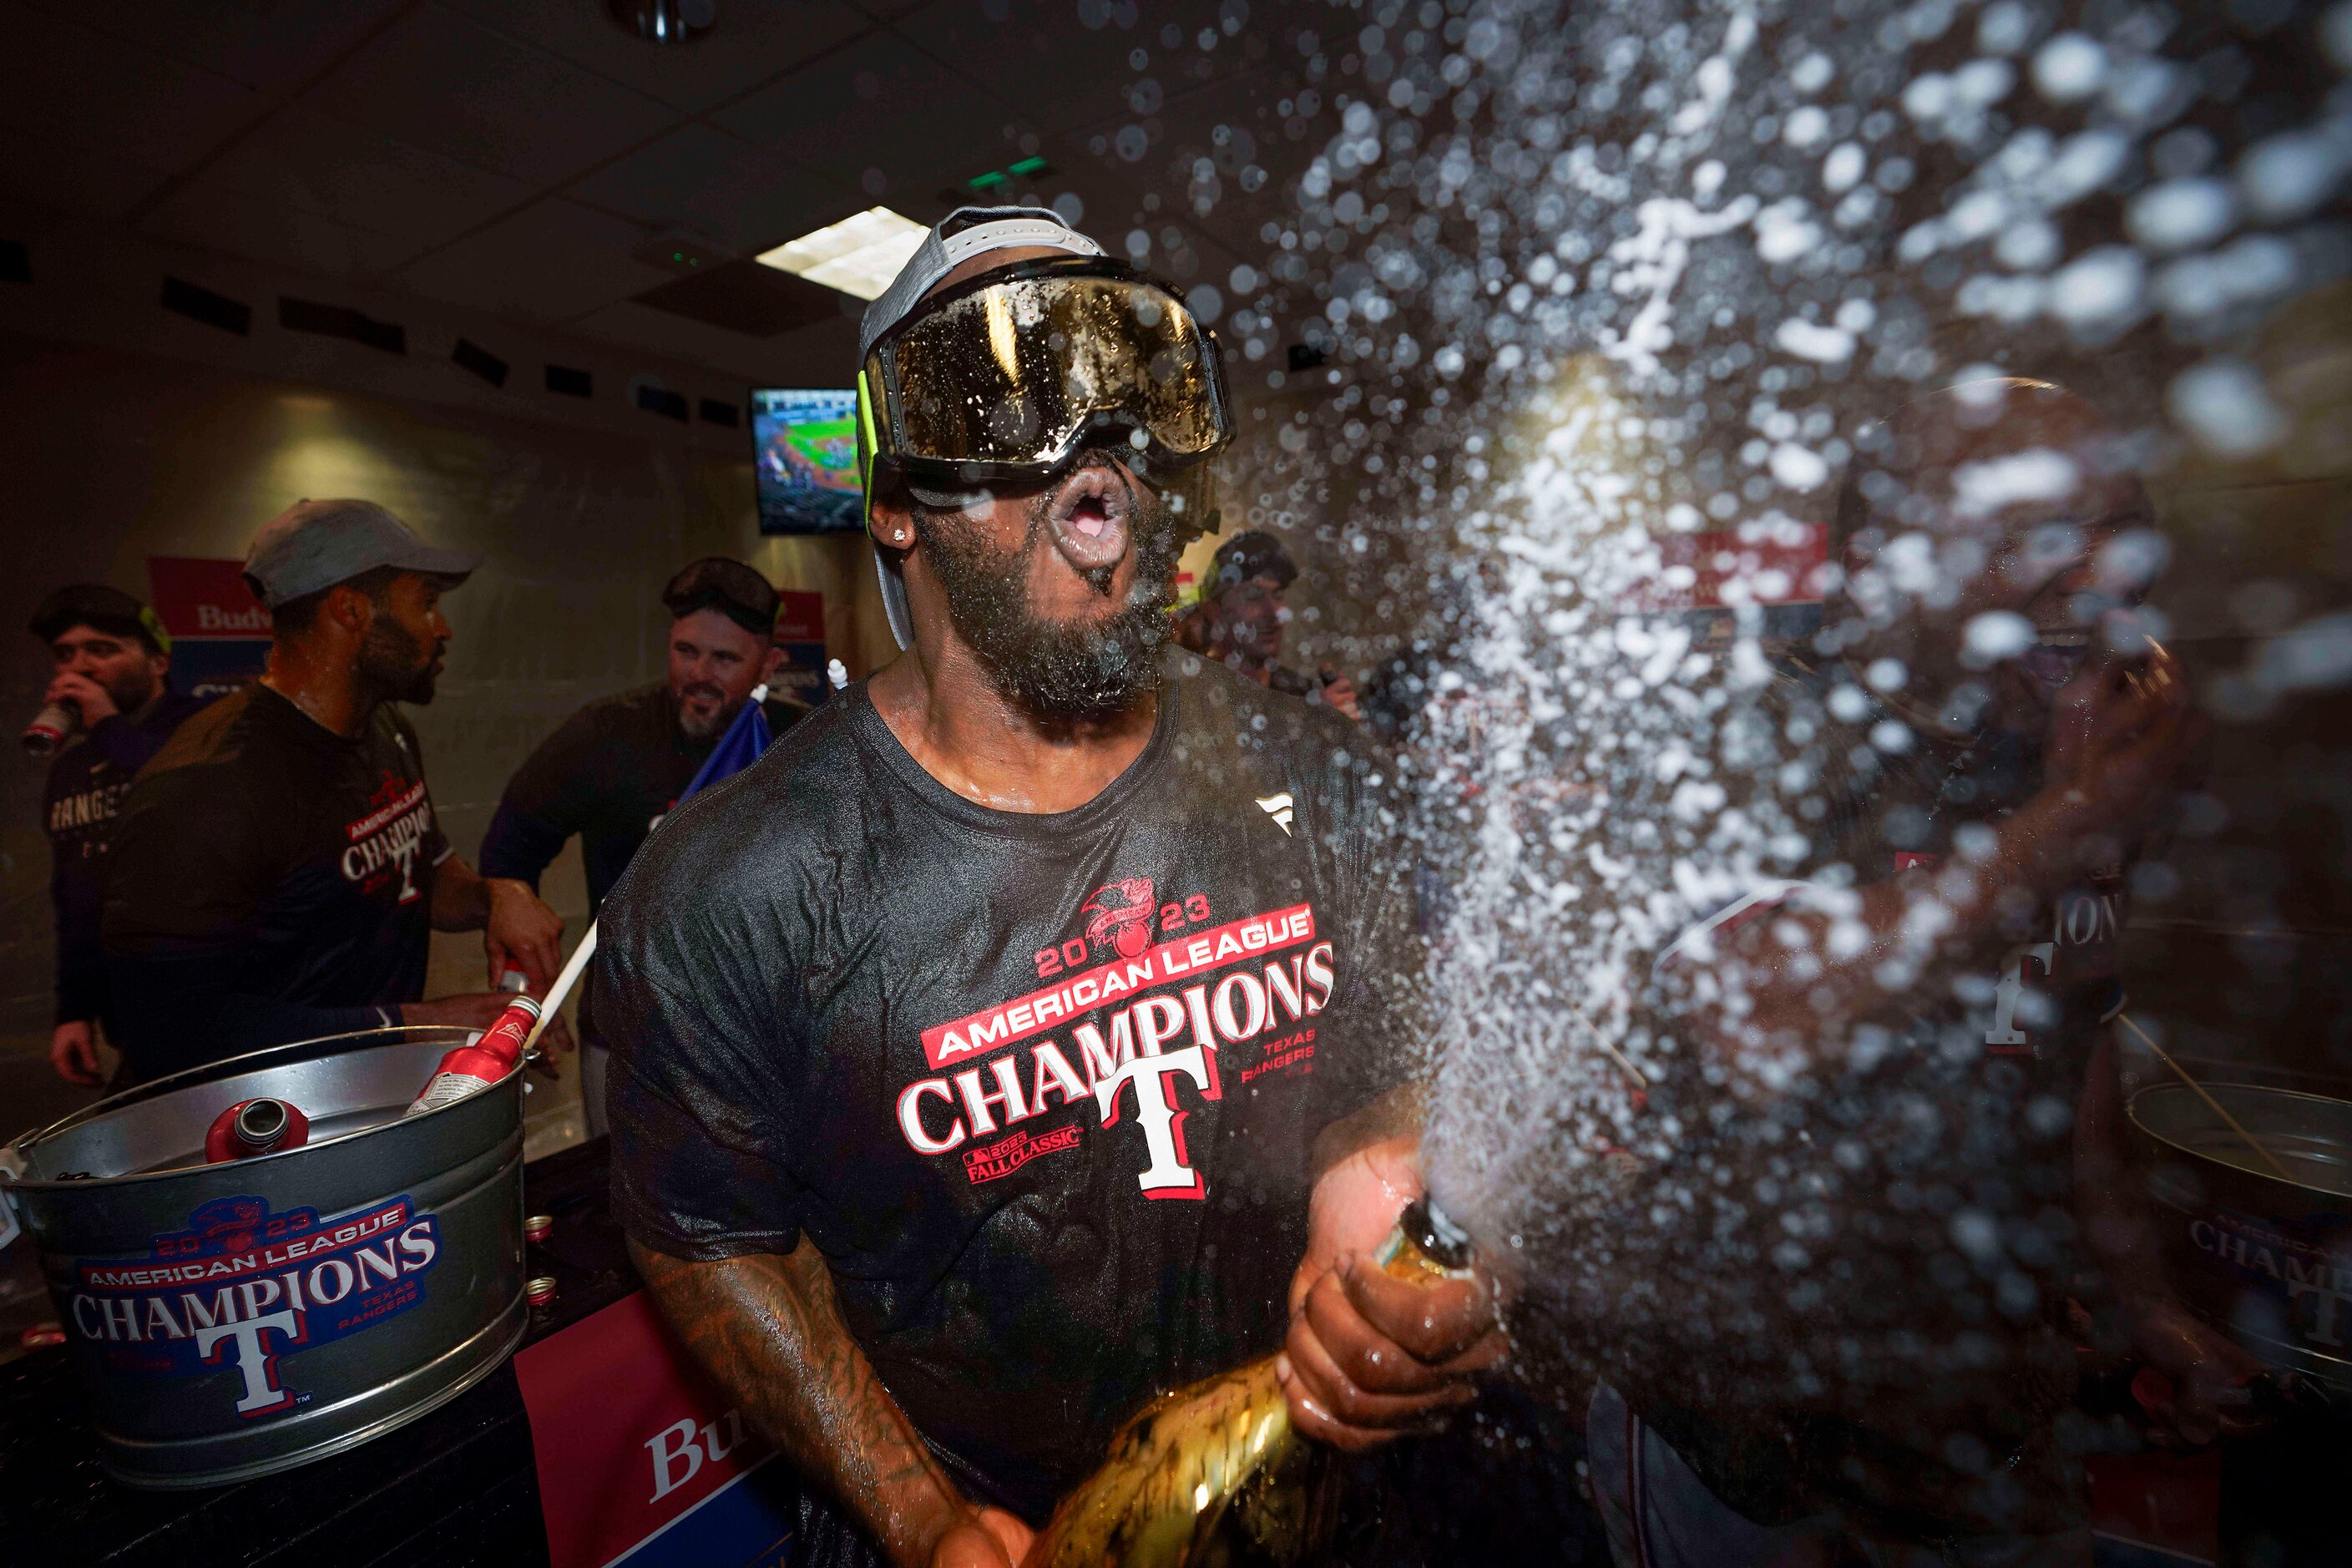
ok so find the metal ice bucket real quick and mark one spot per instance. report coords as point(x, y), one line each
point(2267, 1261)
point(236, 1319)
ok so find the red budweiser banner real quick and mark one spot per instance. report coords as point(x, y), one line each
point(220, 633)
point(198, 598)
point(640, 1461)
point(800, 616)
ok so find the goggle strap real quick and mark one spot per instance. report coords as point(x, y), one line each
point(869, 448)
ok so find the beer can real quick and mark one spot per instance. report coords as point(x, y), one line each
point(51, 728)
point(254, 1127)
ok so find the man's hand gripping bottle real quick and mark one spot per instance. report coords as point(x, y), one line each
point(1216, 1473)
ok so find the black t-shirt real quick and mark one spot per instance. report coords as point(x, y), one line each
point(608, 773)
point(1897, 1230)
point(86, 783)
point(845, 1003)
point(272, 881)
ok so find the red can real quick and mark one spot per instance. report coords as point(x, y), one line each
point(254, 1127)
point(52, 727)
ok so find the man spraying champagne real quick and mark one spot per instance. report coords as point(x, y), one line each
point(1024, 1038)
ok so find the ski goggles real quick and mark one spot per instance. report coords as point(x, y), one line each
point(1008, 374)
point(733, 589)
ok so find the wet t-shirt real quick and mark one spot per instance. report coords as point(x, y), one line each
point(1041, 1088)
point(272, 881)
point(1899, 1239)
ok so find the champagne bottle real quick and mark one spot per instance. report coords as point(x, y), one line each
point(1215, 1474)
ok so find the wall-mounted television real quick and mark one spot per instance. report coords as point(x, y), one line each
point(804, 447)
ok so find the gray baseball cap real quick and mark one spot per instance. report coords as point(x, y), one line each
point(314, 545)
point(955, 239)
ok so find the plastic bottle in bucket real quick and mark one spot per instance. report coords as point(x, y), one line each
point(254, 1127)
point(482, 1062)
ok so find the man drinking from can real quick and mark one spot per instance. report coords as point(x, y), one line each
point(112, 690)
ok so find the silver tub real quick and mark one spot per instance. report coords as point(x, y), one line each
point(236, 1319)
point(2268, 1261)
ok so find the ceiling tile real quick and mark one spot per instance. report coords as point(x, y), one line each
point(274, 234)
point(824, 354)
point(79, 180)
point(877, 104)
point(749, 44)
point(312, 163)
point(719, 187)
point(1037, 54)
point(552, 261)
point(61, 80)
point(745, 297)
point(268, 44)
point(438, 81)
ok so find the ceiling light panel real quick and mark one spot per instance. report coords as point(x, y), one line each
point(860, 255)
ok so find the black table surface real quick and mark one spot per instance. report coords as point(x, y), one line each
point(455, 1487)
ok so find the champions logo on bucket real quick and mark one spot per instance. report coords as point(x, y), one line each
point(241, 1287)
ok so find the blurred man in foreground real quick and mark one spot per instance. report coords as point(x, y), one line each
point(615, 768)
point(114, 663)
point(1902, 1106)
point(1240, 615)
point(929, 1134)
point(279, 868)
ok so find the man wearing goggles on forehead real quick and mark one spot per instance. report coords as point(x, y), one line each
point(613, 768)
point(914, 1020)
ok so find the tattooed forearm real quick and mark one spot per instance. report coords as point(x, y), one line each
point(769, 1329)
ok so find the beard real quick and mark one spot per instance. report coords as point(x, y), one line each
point(1060, 671)
point(394, 663)
point(132, 692)
point(698, 728)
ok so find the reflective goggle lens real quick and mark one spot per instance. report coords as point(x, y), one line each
point(1014, 373)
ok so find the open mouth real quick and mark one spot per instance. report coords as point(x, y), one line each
point(2057, 652)
point(1090, 514)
